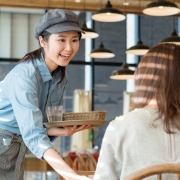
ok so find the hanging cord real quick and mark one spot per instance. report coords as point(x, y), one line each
point(151, 31)
point(125, 30)
point(101, 32)
point(174, 23)
point(174, 20)
point(64, 4)
point(139, 20)
point(84, 5)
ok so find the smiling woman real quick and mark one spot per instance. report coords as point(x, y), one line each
point(60, 49)
point(36, 82)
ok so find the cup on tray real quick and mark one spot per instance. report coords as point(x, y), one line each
point(54, 113)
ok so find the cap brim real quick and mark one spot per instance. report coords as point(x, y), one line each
point(58, 28)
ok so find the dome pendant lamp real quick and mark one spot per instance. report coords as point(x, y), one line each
point(89, 32)
point(161, 8)
point(108, 14)
point(123, 73)
point(174, 38)
point(101, 52)
point(139, 49)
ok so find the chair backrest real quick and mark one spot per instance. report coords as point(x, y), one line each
point(91, 161)
point(156, 170)
point(80, 162)
point(68, 160)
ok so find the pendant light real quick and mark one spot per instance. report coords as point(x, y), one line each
point(140, 48)
point(101, 52)
point(89, 32)
point(161, 8)
point(174, 38)
point(124, 72)
point(108, 14)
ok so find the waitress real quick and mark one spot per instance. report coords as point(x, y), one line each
point(36, 82)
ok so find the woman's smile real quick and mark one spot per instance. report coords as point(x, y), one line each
point(60, 49)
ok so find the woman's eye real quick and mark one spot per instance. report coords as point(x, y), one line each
point(75, 40)
point(61, 40)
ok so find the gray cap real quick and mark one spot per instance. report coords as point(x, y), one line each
point(57, 21)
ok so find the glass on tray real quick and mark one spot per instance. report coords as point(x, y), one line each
point(54, 113)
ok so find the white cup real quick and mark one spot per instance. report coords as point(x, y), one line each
point(54, 113)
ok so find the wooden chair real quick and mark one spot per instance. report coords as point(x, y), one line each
point(68, 160)
point(91, 161)
point(156, 170)
point(80, 163)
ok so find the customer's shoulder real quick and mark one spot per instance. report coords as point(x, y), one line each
point(135, 116)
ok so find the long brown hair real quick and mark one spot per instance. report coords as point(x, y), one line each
point(157, 78)
point(37, 54)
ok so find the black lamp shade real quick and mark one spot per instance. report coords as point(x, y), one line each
point(108, 14)
point(161, 8)
point(89, 32)
point(138, 49)
point(101, 52)
point(174, 38)
point(123, 73)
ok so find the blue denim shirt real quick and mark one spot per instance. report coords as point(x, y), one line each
point(24, 93)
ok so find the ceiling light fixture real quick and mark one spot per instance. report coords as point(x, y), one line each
point(89, 32)
point(161, 8)
point(174, 38)
point(108, 14)
point(139, 49)
point(124, 72)
point(126, 4)
point(101, 52)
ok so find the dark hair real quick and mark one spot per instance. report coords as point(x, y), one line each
point(157, 77)
point(37, 53)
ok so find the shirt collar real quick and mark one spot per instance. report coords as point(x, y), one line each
point(44, 71)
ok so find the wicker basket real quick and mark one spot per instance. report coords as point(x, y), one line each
point(91, 115)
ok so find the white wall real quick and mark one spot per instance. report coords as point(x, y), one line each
point(17, 32)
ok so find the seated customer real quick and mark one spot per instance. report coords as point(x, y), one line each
point(150, 133)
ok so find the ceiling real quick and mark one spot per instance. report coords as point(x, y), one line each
point(135, 6)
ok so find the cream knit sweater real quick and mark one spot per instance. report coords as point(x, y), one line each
point(131, 143)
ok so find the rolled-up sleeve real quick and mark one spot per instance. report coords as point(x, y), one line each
point(24, 99)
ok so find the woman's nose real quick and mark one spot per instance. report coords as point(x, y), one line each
point(68, 47)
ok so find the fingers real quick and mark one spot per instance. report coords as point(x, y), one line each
point(72, 129)
point(83, 127)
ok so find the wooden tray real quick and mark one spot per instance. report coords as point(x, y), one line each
point(74, 122)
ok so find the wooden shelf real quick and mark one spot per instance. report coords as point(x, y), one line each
point(35, 164)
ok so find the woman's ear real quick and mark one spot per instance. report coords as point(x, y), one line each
point(42, 42)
